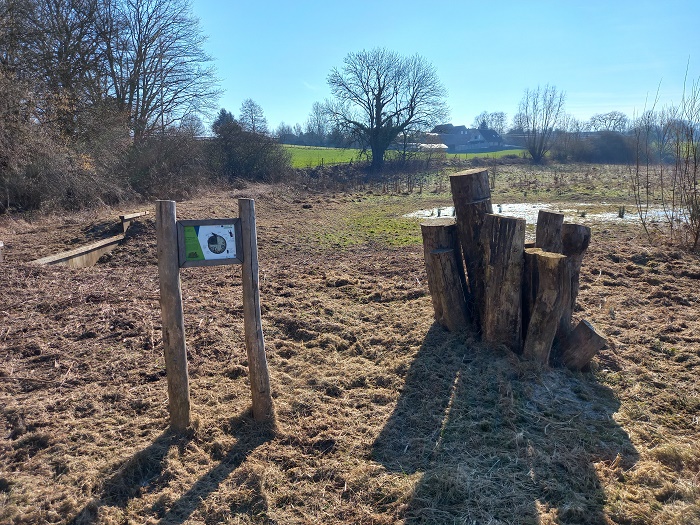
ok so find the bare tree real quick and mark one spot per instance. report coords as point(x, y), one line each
point(495, 121)
point(318, 124)
point(379, 94)
point(155, 63)
point(612, 121)
point(538, 115)
point(252, 118)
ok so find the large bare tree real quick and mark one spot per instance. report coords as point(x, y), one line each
point(379, 94)
point(539, 113)
point(155, 63)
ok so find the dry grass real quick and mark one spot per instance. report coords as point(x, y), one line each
point(382, 417)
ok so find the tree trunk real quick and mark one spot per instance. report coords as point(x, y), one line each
point(440, 234)
point(500, 308)
point(548, 232)
point(546, 287)
point(445, 265)
point(581, 346)
point(575, 241)
point(472, 199)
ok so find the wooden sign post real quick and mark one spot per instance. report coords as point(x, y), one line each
point(172, 316)
point(209, 242)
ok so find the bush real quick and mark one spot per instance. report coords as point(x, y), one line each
point(166, 166)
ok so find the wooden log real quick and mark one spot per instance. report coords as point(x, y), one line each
point(502, 241)
point(472, 200)
point(252, 323)
point(172, 316)
point(582, 344)
point(548, 231)
point(575, 241)
point(440, 234)
point(452, 309)
point(545, 287)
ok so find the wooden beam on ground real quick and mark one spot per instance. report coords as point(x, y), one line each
point(129, 218)
point(84, 256)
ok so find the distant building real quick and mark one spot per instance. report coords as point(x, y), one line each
point(460, 139)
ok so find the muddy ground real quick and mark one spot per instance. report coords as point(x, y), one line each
point(381, 415)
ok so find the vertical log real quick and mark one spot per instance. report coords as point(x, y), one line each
point(545, 287)
point(252, 323)
point(500, 310)
point(440, 234)
point(575, 241)
point(449, 293)
point(472, 200)
point(581, 346)
point(548, 231)
point(172, 316)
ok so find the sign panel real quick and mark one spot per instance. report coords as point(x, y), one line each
point(209, 242)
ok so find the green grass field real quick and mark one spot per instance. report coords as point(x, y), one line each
point(311, 156)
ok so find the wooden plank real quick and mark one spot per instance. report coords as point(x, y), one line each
point(254, 339)
point(172, 316)
point(83, 256)
point(128, 219)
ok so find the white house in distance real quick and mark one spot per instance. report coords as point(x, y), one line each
point(460, 139)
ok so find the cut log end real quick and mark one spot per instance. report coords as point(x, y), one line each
point(581, 346)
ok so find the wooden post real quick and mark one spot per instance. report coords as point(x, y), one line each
point(581, 346)
point(545, 287)
point(548, 231)
point(254, 340)
point(172, 316)
point(500, 309)
point(451, 310)
point(441, 234)
point(472, 200)
point(575, 241)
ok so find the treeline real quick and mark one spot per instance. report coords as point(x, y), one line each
point(100, 100)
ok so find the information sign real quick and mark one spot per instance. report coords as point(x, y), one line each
point(209, 242)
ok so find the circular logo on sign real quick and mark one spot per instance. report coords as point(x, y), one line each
point(216, 244)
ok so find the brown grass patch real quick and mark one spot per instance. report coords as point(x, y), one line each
point(382, 417)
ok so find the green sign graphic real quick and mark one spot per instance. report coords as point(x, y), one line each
point(193, 250)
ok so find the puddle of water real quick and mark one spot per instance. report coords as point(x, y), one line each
point(572, 213)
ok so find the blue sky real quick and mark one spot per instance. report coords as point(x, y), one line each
point(605, 55)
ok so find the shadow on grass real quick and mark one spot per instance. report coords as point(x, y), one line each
point(145, 472)
point(499, 440)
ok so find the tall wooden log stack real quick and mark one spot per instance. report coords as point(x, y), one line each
point(513, 295)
